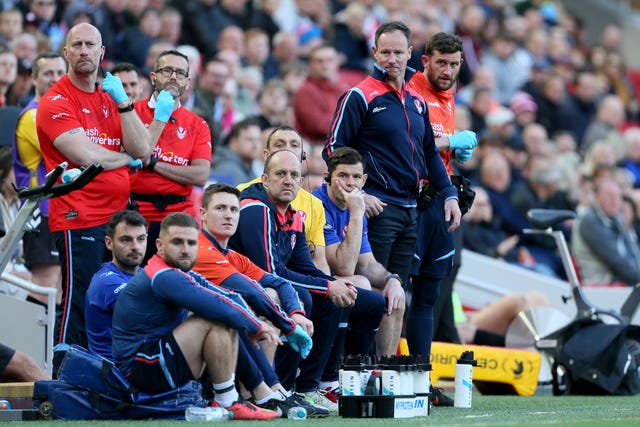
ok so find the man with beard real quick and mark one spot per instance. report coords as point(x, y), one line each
point(126, 238)
point(170, 324)
point(436, 248)
point(181, 155)
point(81, 121)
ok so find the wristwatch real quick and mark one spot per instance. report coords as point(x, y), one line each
point(392, 276)
point(152, 163)
point(126, 109)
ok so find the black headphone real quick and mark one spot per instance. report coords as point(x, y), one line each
point(303, 156)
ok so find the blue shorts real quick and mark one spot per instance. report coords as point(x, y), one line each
point(159, 366)
point(436, 246)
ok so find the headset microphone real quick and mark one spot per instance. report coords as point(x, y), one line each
point(303, 156)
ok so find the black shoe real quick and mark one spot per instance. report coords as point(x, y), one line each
point(282, 407)
point(313, 411)
point(438, 398)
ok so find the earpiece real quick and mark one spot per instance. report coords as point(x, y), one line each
point(303, 156)
point(327, 179)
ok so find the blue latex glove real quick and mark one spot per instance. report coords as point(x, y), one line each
point(134, 164)
point(463, 154)
point(465, 140)
point(300, 341)
point(113, 86)
point(164, 106)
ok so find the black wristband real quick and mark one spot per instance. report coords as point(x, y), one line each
point(152, 163)
point(126, 109)
point(392, 276)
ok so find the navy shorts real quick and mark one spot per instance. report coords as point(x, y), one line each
point(39, 247)
point(436, 246)
point(159, 366)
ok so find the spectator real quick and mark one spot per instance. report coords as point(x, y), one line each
point(510, 65)
point(181, 156)
point(314, 102)
point(171, 25)
point(115, 19)
point(600, 243)
point(208, 102)
point(584, 101)
point(18, 366)
point(138, 39)
point(554, 111)
point(631, 159)
point(129, 75)
point(21, 91)
point(274, 105)
point(350, 40)
point(8, 72)
point(40, 252)
point(237, 161)
point(10, 25)
point(25, 46)
point(147, 318)
point(152, 53)
point(256, 48)
point(126, 239)
point(609, 117)
point(78, 220)
point(285, 48)
point(232, 38)
point(43, 14)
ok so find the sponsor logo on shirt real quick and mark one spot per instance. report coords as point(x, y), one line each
point(86, 111)
point(101, 138)
point(170, 157)
point(71, 214)
point(58, 115)
point(378, 109)
point(58, 97)
point(293, 241)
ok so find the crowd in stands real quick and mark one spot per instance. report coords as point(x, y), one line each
point(556, 118)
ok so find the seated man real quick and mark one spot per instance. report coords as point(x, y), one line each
point(18, 366)
point(126, 238)
point(170, 324)
point(218, 264)
point(348, 252)
point(602, 247)
point(272, 234)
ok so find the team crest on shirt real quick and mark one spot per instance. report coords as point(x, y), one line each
point(303, 215)
point(105, 111)
point(293, 240)
point(449, 107)
point(418, 105)
point(181, 132)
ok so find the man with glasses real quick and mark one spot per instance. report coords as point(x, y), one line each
point(181, 155)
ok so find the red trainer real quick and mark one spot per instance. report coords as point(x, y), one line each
point(243, 410)
point(333, 394)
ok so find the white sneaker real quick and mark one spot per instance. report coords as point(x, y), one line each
point(318, 398)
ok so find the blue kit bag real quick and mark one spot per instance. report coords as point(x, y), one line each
point(91, 387)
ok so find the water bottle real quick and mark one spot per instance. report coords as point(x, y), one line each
point(464, 380)
point(210, 413)
point(297, 413)
point(5, 405)
point(70, 174)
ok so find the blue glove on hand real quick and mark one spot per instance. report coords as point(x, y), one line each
point(134, 164)
point(300, 341)
point(164, 106)
point(463, 154)
point(113, 86)
point(465, 139)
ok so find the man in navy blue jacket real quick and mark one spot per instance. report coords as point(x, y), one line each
point(387, 121)
point(271, 233)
